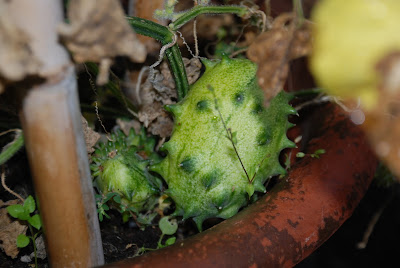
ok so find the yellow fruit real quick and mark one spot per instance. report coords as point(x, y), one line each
point(350, 38)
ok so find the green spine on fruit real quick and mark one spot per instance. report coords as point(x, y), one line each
point(121, 165)
point(204, 175)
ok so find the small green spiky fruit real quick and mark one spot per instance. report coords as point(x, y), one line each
point(119, 166)
point(204, 175)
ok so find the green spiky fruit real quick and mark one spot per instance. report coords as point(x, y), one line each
point(121, 166)
point(204, 175)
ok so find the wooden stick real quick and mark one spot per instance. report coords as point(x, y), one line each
point(55, 145)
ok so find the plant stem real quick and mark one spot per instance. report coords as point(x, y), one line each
point(34, 244)
point(165, 36)
point(10, 149)
point(298, 9)
point(177, 66)
point(173, 54)
point(198, 10)
point(3, 183)
point(159, 245)
point(150, 29)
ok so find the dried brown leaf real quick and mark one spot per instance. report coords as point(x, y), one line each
point(382, 124)
point(126, 126)
point(10, 229)
point(98, 30)
point(159, 92)
point(16, 56)
point(274, 49)
point(91, 136)
point(145, 9)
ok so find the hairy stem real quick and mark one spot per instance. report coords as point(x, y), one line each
point(34, 244)
point(10, 149)
point(173, 54)
point(198, 10)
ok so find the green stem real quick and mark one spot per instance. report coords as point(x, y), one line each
point(10, 149)
point(34, 244)
point(198, 10)
point(165, 36)
point(159, 245)
point(151, 29)
point(177, 66)
point(298, 8)
point(173, 54)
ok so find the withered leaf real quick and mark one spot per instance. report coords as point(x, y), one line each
point(16, 56)
point(145, 9)
point(382, 124)
point(98, 30)
point(160, 91)
point(274, 49)
point(91, 136)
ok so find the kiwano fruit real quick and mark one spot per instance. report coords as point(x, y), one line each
point(121, 166)
point(204, 174)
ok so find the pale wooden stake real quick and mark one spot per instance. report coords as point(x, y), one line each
point(56, 149)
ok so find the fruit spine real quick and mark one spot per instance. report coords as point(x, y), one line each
point(204, 175)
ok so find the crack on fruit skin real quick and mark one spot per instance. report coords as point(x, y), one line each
point(201, 146)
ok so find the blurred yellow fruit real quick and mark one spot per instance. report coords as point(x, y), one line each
point(350, 37)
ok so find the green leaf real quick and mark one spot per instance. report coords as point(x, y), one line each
point(146, 219)
point(117, 199)
point(320, 151)
point(15, 210)
point(22, 241)
point(109, 196)
point(105, 207)
point(168, 227)
point(29, 204)
point(300, 154)
point(170, 241)
point(35, 221)
point(98, 197)
point(24, 216)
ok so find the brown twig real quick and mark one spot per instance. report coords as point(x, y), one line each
point(371, 226)
point(3, 183)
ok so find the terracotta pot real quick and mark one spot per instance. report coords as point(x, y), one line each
point(301, 212)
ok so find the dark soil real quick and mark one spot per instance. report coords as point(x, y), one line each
point(123, 240)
